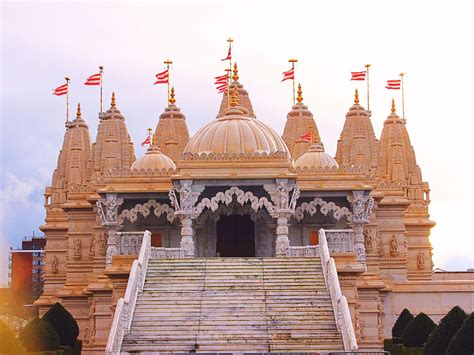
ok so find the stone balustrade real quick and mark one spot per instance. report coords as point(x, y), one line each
point(308, 250)
point(340, 240)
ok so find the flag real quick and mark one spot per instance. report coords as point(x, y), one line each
point(221, 83)
point(290, 74)
point(306, 137)
point(358, 75)
point(147, 140)
point(162, 78)
point(93, 79)
point(229, 55)
point(393, 84)
point(61, 90)
point(222, 89)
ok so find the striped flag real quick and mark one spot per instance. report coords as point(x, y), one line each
point(221, 83)
point(162, 78)
point(306, 137)
point(358, 75)
point(147, 140)
point(229, 54)
point(61, 90)
point(393, 84)
point(93, 79)
point(290, 74)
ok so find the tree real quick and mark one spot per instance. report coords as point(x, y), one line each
point(64, 324)
point(463, 341)
point(400, 325)
point(447, 328)
point(418, 331)
point(39, 335)
point(9, 344)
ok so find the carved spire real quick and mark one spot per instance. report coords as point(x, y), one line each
point(171, 132)
point(299, 98)
point(299, 123)
point(358, 145)
point(235, 77)
point(113, 148)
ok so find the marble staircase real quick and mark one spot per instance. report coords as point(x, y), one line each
point(233, 305)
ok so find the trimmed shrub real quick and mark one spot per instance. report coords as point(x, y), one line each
point(39, 335)
point(418, 331)
point(447, 328)
point(400, 325)
point(64, 324)
point(9, 344)
point(463, 342)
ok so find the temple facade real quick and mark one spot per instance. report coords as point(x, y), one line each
point(237, 189)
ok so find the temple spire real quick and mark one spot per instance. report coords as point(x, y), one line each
point(299, 98)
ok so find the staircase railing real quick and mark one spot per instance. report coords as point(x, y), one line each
point(126, 306)
point(339, 302)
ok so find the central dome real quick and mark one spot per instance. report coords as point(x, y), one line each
point(236, 136)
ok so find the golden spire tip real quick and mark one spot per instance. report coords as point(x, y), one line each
point(112, 104)
point(299, 98)
point(356, 97)
point(172, 98)
point(235, 96)
point(78, 114)
point(235, 77)
point(393, 106)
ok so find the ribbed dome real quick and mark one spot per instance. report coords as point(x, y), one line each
point(315, 160)
point(235, 136)
point(154, 160)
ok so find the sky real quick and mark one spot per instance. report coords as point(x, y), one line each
point(431, 41)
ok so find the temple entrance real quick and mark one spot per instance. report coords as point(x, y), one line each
point(235, 236)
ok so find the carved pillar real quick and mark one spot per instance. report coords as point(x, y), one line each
point(361, 209)
point(108, 212)
point(282, 240)
point(187, 237)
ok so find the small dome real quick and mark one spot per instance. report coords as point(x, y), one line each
point(316, 160)
point(154, 160)
point(236, 135)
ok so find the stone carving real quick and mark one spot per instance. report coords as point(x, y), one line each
point(420, 260)
point(362, 207)
point(369, 239)
point(54, 264)
point(92, 248)
point(380, 320)
point(103, 244)
point(108, 209)
point(308, 250)
point(90, 332)
point(340, 240)
point(77, 252)
point(144, 210)
point(187, 198)
point(380, 243)
point(325, 208)
point(357, 320)
point(394, 246)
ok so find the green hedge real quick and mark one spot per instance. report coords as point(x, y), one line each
point(39, 335)
point(418, 331)
point(64, 324)
point(463, 342)
point(400, 325)
point(399, 349)
point(444, 333)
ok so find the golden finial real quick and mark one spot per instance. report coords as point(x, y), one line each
point(235, 77)
point(113, 100)
point(299, 98)
point(393, 106)
point(78, 114)
point(149, 131)
point(356, 97)
point(172, 99)
point(153, 140)
point(235, 96)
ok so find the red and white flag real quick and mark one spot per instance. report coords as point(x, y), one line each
point(61, 90)
point(358, 75)
point(229, 55)
point(93, 79)
point(290, 74)
point(162, 78)
point(221, 89)
point(147, 140)
point(306, 137)
point(393, 84)
point(221, 83)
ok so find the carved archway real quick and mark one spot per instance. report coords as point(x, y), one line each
point(145, 210)
point(324, 207)
point(233, 208)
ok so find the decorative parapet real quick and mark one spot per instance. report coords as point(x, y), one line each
point(126, 306)
point(339, 302)
point(235, 156)
point(340, 240)
point(145, 210)
point(324, 207)
point(167, 253)
point(308, 250)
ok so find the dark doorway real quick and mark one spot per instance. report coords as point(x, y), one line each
point(235, 236)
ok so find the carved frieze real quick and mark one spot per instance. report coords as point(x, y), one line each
point(325, 207)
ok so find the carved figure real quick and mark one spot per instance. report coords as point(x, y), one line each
point(54, 264)
point(186, 198)
point(92, 248)
point(294, 198)
point(283, 195)
point(420, 260)
point(369, 239)
point(77, 253)
point(394, 246)
point(103, 244)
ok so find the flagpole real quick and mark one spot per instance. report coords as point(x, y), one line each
point(168, 62)
point(229, 71)
point(403, 95)
point(367, 66)
point(101, 68)
point(293, 61)
point(229, 40)
point(67, 98)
